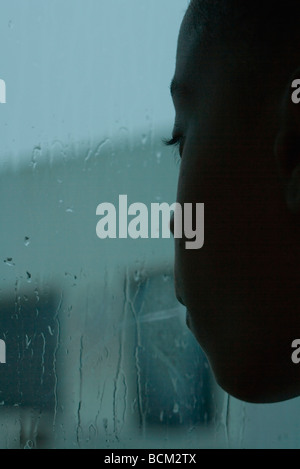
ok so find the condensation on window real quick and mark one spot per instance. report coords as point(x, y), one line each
point(98, 354)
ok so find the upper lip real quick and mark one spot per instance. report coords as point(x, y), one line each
point(177, 289)
point(188, 320)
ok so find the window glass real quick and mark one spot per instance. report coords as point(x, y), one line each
point(98, 354)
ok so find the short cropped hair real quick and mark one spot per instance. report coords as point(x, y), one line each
point(247, 20)
point(266, 31)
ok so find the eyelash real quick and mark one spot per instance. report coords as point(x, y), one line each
point(176, 142)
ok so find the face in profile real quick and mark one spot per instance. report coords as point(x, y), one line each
point(241, 290)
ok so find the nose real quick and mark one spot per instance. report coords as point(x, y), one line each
point(179, 299)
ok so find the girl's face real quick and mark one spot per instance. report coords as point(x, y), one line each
point(240, 289)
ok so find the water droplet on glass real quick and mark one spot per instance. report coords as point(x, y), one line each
point(176, 408)
point(9, 261)
point(137, 275)
point(29, 445)
point(36, 153)
point(26, 241)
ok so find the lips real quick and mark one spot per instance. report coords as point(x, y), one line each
point(188, 319)
point(178, 296)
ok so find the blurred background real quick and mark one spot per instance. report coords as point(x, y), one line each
point(98, 353)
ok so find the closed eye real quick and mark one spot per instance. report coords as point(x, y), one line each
point(177, 141)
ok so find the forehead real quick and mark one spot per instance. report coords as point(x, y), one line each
point(189, 38)
point(196, 51)
point(209, 75)
point(187, 52)
point(206, 54)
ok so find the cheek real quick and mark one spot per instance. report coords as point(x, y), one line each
point(240, 215)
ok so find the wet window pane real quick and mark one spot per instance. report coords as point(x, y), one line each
point(98, 354)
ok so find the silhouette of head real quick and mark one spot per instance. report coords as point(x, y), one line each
point(239, 136)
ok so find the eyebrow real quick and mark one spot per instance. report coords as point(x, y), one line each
point(178, 89)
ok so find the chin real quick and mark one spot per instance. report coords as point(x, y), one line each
point(255, 384)
point(247, 371)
